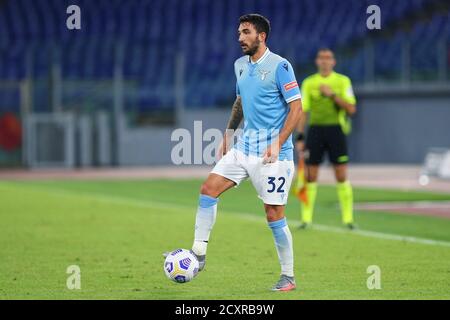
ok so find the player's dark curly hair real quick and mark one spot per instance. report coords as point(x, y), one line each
point(261, 23)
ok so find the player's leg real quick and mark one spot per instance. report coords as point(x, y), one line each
point(339, 158)
point(272, 182)
point(205, 218)
point(345, 195)
point(210, 190)
point(226, 174)
point(283, 243)
point(312, 173)
point(215, 185)
point(314, 152)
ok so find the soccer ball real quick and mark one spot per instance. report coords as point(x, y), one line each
point(181, 266)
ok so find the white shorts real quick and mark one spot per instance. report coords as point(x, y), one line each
point(272, 181)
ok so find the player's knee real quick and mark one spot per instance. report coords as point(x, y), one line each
point(312, 173)
point(207, 190)
point(311, 178)
point(341, 174)
point(273, 213)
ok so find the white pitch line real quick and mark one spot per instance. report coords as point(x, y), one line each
point(438, 204)
point(244, 215)
point(359, 232)
point(381, 235)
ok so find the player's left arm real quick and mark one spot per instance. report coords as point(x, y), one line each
point(288, 86)
point(292, 120)
point(346, 101)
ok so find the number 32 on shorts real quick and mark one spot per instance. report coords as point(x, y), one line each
point(276, 184)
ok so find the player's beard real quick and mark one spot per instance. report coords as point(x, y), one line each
point(253, 48)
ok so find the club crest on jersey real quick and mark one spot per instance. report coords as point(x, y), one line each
point(240, 72)
point(263, 74)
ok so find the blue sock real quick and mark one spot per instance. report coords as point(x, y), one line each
point(204, 222)
point(283, 243)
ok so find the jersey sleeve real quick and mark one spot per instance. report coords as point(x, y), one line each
point(306, 97)
point(237, 90)
point(347, 93)
point(286, 82)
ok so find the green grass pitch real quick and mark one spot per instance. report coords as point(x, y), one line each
point(116, 231)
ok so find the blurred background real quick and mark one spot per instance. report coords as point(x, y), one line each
point(87, 178)
point(112, 93)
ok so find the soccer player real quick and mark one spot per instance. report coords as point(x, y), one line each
point(328, 101)
point(268, 99)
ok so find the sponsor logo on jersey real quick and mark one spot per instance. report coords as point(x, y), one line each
point(290, 85)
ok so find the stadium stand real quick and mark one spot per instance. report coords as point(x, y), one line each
point(152, 33)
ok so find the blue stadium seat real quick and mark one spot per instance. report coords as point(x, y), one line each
point(153, 32)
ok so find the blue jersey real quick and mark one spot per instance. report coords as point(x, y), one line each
point(265, 87)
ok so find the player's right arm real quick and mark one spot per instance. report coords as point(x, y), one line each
point(233, 123)
point(236, 114)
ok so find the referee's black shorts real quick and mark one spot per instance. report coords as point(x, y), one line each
point(329, 139)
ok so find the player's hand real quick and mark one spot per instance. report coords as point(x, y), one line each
point(326, 90)
point(271, 153)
